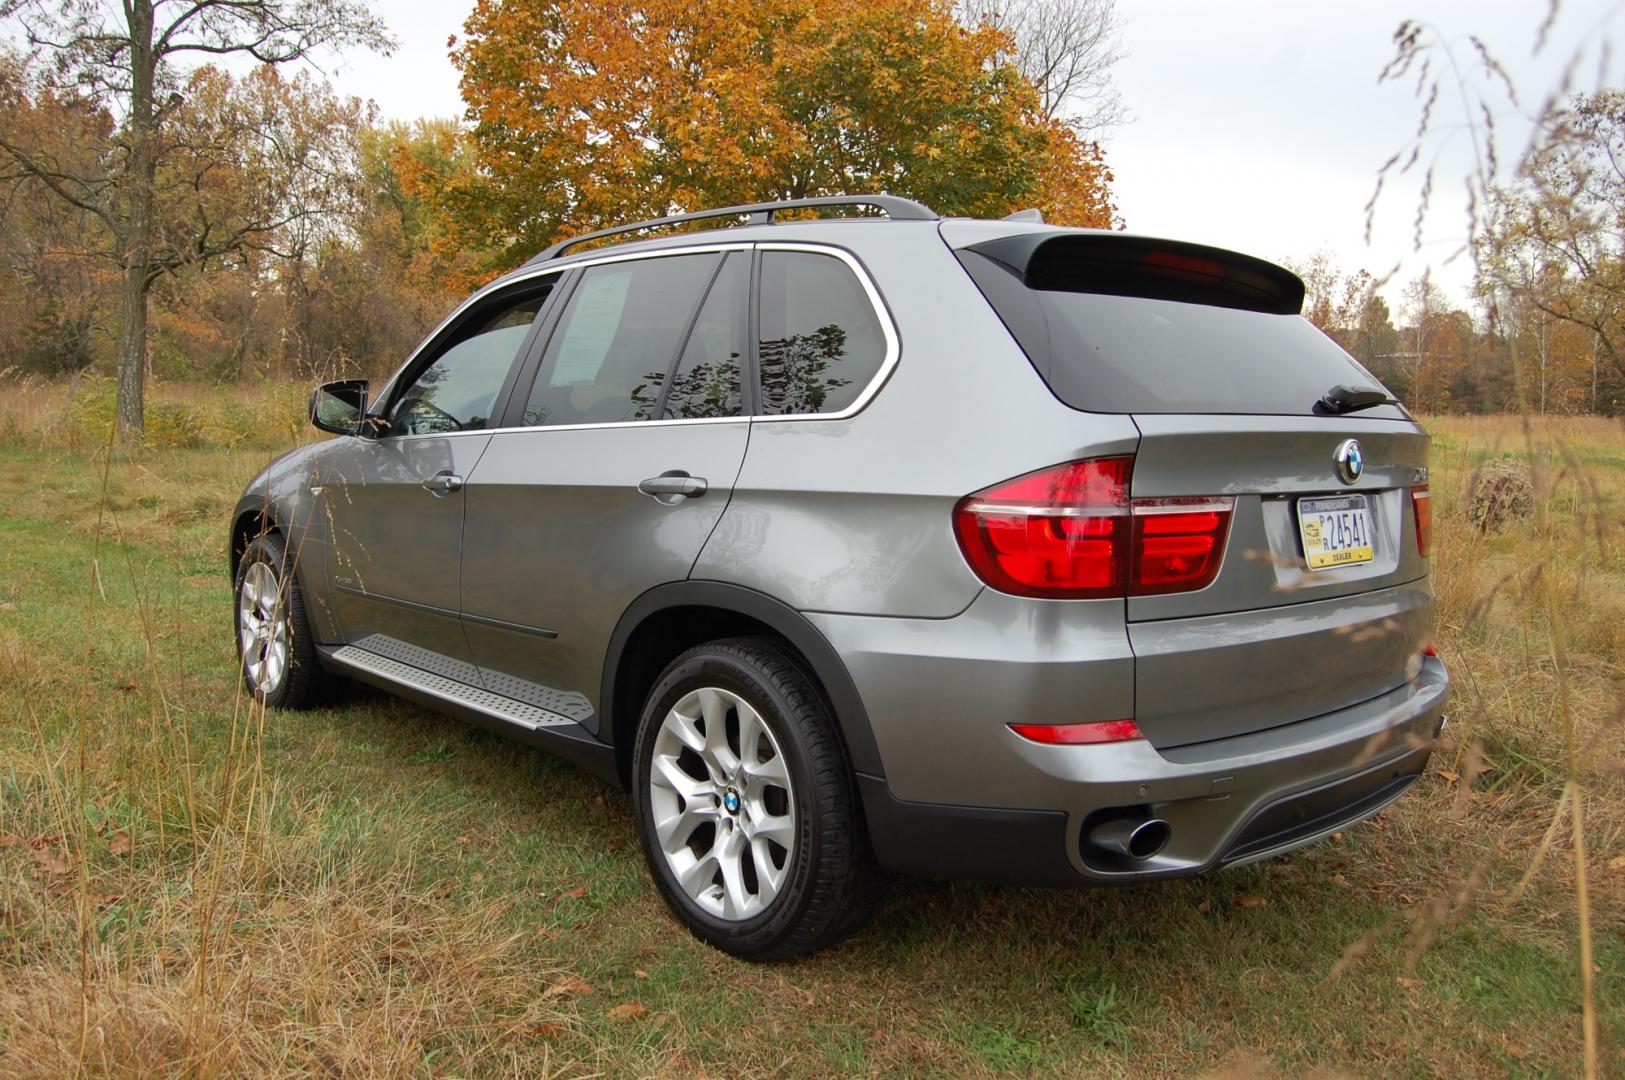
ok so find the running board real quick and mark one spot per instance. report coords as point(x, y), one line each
point(520, 720)
point(474, 698)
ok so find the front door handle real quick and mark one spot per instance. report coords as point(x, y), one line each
point(673, 487)
point(443, 483)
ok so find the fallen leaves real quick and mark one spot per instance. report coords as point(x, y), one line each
point(1252, 901)
point(567, 986)
point(629, 1011)
point(53, 862)
point(120, 844)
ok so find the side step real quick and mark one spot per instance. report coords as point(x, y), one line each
point(528, 723)
point(469, 697)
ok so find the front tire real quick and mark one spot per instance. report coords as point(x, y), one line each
point(745, 805)
point(275, 650)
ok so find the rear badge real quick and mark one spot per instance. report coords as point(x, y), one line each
point(1350, 462)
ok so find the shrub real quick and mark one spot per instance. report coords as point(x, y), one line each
point(1499, 493)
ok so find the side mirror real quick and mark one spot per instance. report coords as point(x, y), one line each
point(339, 406)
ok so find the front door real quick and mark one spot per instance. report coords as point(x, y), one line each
point(634, 431)
point(395, 501)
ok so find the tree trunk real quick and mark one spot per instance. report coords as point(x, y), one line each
point(132, 354)
point(137, 183)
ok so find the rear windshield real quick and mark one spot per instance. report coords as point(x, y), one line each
point(1130, 354)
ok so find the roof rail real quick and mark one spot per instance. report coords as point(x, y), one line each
point(896, 208)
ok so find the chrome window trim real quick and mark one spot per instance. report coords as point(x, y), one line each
point(888, 331)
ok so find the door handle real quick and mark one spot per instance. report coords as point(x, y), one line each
point(443, 483)
point(673, 487)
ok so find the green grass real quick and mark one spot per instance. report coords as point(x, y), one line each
point(375, 889)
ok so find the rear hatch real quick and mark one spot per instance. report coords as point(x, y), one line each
point(1204, 349)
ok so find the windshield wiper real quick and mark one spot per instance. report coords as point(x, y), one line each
point(1342, 399)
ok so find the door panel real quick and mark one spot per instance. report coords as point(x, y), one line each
point(395, 504)
point(394, 571)
point(560, 541)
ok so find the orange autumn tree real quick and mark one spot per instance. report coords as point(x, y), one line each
point(590, 112)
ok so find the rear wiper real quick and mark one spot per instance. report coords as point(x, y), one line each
point(1342, 399)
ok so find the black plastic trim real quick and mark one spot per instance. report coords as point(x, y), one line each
point(1012, 847)
point(503, 624)
point(778, 616)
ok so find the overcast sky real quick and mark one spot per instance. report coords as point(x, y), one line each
point(1256, 124)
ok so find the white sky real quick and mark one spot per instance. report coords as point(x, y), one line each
point(1256, 124)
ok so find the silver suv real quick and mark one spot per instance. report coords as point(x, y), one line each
point(945, 547)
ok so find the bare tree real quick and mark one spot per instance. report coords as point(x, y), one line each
point(122, 55)
point(1067, 48)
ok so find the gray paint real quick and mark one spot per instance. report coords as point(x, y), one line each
point(559, 537)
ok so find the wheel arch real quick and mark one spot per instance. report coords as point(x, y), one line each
point(254, 517)
point(670, 618)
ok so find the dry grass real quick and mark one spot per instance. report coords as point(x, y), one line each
point(189, 886)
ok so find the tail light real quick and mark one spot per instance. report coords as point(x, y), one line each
point(1071, 533)
point(1422, 505)
point(1178, 543)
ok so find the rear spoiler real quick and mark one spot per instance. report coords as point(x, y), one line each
point(1113, 264)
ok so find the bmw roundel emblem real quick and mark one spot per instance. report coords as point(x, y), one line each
point(730, 801)
point(1350, 461)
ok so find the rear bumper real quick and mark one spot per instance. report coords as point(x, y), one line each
point(1228, 802)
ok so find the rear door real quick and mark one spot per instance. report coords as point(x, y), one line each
point(1321, 598)
point(631, 434)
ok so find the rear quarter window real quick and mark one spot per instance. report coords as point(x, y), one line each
point(820, 342)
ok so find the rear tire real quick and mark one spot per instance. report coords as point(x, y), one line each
point(746, 808)
point(275, 650)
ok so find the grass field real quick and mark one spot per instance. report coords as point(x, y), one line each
point(190, 886)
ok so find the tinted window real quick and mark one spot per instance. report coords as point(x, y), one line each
point(706, 382)
point(821, 342)
point(1134, 354)
point(456, 391)
point(617, 340)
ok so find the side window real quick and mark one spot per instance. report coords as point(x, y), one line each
point(821, 342)
point(706, 381)
point(458, 389)
point(617, 339)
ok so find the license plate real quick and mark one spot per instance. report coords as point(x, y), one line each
point(1336, 531)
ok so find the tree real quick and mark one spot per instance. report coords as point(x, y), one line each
point(123, 56)
point(1555, 238)
point(589, 112)
point(1066, 49)
point(53, 286)
point(1334, 301)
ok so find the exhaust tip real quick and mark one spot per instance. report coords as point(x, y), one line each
point(1137, 838)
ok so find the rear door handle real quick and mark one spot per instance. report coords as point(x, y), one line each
point(673, 487)
point(443, 483)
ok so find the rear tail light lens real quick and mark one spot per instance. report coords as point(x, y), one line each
point(1071, 533)
point(1061, 533)
point(1178, 543)
point(1422, 504)
point(1103, 731)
